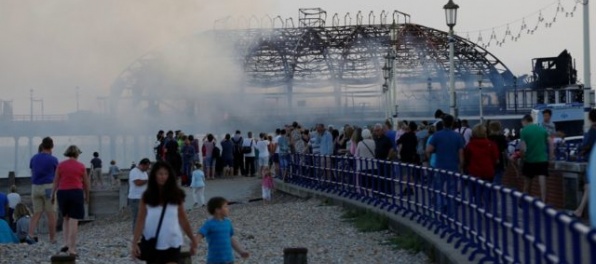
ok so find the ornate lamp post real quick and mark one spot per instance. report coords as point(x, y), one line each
point(391, 62)
point(385, 87)
point(587, 70)
point(451, 19)
point(479, 77)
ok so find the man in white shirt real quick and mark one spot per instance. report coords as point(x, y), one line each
point(465, 131)
point(137, 184)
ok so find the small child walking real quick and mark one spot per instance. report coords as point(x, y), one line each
point(114, 171)
point(23, 217)
point(219, 233)
point(267, 185)
point(197, 185)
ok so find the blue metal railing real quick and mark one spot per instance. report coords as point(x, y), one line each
point(569, 152)
point(492, 223)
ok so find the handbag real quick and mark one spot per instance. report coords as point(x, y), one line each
point(148, 246)
point(247, 150)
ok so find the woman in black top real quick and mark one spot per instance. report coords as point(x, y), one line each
point(496, 135)
point(408, 144)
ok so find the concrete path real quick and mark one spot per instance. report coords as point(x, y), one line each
point(236, 189)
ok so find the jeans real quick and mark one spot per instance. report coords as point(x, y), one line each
point(134, 209)
point(446, 186)
point(186, 167)
point(249, 166)
point(498, 180)
point(238, 163)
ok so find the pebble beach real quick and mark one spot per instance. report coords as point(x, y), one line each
point(264, 230)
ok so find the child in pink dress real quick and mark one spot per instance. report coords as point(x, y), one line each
point(267, 185)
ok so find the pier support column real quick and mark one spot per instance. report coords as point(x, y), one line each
point(113, 147)
point(16, 155)
point(290, 96)
point(124, 146)
point(337, 97)
point(135, 147)
point(100, 145)
point(31, 146)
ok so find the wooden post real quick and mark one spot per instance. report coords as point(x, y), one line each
point(295, 255)
point(63, 259)
point(11, 178)
point(185, 257)
point(123, 178)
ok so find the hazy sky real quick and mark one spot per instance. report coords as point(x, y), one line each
point(55, 46)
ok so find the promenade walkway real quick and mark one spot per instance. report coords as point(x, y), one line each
point(237, 189)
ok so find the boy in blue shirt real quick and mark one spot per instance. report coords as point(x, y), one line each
point(219, 233)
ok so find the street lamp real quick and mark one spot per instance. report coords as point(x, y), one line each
point(451, 19)
point(393, 30)
point(479, 77)
point(386, 76)
point(515, 91)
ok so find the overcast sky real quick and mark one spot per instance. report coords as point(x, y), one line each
point(55, 46)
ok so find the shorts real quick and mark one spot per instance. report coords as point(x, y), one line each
point(72, 203)
point(284, 160)
point(264, 161)
point(275, 158)
point(266, 193)
point(96, 173)
point(532, 169)
point(41, 195)
point(208, 162)
point(167, 255)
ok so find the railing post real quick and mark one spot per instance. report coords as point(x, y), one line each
point(295, 255)
point(502, 224)
point(63, 259)
point(592, 242)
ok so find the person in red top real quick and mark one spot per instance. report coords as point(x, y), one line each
point(480, 156)
point(71, 187)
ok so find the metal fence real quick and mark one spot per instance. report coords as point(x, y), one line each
point(492, 223)
point(569, 151)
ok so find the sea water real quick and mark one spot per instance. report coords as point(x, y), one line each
point(125, 151)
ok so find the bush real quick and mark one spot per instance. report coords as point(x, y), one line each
point(366, 221)
point(407, 241)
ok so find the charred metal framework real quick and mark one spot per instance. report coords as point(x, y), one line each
point(343, 62)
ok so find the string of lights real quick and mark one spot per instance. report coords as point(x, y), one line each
point(527, 25)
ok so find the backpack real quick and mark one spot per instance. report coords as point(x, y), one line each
point(237, 149)
point(216, 154)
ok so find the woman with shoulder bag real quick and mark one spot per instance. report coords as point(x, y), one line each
point(161, 219)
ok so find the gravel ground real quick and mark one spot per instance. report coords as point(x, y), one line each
point(264, 230)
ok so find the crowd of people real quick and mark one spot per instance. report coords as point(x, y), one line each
point(156, 197)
